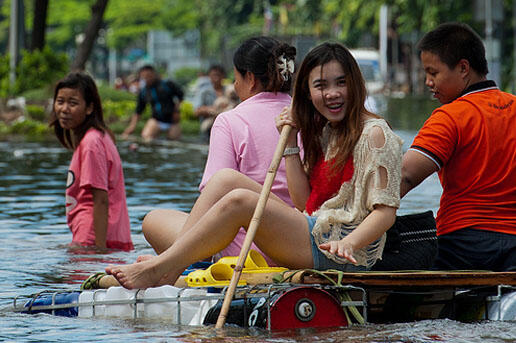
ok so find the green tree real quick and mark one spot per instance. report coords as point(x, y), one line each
point(129, 21)
point(90, 34)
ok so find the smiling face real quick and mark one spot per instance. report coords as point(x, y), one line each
point(70, 108)
point(328, 91)
point(446, 84)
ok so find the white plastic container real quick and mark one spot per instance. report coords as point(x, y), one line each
point(505, 309)
point(127, 308)
point(180, 303)
point(86, 311)
point(184, 306)
point(203, 308)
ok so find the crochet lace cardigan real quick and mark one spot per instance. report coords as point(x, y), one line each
point(342, 213)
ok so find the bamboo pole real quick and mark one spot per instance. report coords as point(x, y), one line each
point(253, 225)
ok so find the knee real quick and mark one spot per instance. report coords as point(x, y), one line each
point(156, 221)
point(225, 178)
point(239, 200)
point(147, 134)
point(147, 223)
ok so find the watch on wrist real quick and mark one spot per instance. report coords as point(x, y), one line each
point(291, 151)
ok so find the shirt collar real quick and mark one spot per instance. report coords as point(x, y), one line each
point(479, 86)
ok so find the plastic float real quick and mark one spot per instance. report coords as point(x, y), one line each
point(300, 299)
point(272, 307)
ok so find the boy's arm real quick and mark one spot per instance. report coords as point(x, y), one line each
point(415, 167)
point(132, 125)
point(141, 103)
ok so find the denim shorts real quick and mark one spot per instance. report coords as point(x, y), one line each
point(321, 262)
point(164, 126)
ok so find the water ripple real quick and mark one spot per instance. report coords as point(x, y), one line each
point(35, 253)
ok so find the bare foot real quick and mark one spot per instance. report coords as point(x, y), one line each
point(142, 258)
point(140, 275)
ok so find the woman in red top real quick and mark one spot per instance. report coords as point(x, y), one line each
point(346, 147)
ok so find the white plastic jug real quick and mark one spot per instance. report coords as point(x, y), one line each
point(86, 311)
point(180, 305)
point(127, 308)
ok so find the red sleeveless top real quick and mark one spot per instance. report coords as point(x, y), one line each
point(325, 183)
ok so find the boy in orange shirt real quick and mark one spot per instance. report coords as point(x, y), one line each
point(471, 142)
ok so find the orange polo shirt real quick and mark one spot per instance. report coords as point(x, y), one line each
point(473, 142)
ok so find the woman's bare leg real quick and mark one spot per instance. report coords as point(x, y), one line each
point(220, 184)
point(282, 234)
point(162, 227)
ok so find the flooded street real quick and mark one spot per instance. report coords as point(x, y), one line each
point(34, 252)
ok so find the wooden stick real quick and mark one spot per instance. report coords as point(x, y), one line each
point(253, 225)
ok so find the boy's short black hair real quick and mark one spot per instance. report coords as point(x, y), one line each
point(217, 67)
point(453, 42)
point(147, 67)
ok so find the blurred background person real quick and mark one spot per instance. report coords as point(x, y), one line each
point(164, 96)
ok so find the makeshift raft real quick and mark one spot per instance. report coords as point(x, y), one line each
point(305, 298)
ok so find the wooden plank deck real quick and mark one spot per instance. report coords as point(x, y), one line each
point(412, 278)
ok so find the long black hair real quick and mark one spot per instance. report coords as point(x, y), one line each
point(86, 86)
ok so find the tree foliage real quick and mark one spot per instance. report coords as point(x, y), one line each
point(223, 24)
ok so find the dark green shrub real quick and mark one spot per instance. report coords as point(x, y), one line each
point(189, 127)
point(40, 68)
point(186, 110)
point(183, 76)
point(30, 128)
point(109, 93)
point(37, 112)
point(118, 110)
point(39, 95)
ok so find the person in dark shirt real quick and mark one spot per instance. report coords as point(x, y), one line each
point(164, 97)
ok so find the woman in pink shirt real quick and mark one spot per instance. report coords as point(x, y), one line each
point(243, 138)
point(96, 208)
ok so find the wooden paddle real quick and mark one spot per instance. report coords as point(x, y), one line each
point(253, 225)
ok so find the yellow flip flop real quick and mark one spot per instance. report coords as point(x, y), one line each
point(216, 275)
point(254, 263)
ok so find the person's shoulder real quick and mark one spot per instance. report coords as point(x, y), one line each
point(233, 119)
point(375, 130)
point(378, 132)
point(227, 116)
point(171, 83)
point(375, 125)
point(456, 110)
point(91, 140)
point(94, 136)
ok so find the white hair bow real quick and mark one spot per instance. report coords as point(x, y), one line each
point(285, 67)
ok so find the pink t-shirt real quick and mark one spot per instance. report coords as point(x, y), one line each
point(244, 139)
point(96, 164)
